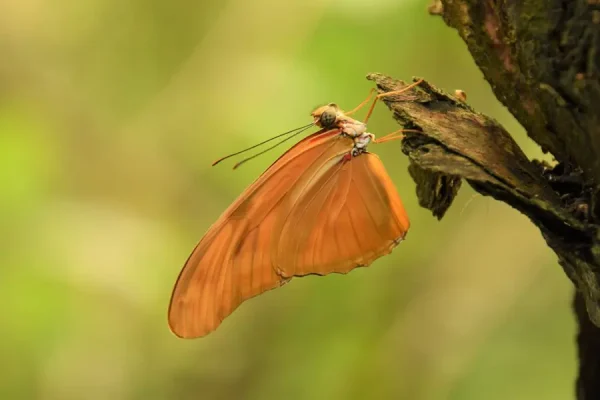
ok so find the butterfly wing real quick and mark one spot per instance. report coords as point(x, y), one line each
point(233, 261)
point(346, 217)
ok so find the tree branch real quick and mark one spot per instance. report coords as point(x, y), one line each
point(457, 142)
point(588, 343)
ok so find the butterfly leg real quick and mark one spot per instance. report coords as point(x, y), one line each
point(396, 135)
point(361, 105)
point(379, 96)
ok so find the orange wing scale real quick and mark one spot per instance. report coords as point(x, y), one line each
point(311, 212)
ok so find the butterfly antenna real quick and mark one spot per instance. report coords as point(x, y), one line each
point(272, 147)
point(301, 129)
point(475, 195)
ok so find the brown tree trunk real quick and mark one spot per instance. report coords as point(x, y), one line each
point(542, 59)
point(588, 343)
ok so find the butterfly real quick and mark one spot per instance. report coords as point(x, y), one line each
point(327, 205)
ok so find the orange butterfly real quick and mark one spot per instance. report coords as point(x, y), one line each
point(326, 205)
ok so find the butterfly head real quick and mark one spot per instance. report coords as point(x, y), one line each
point(327, 116)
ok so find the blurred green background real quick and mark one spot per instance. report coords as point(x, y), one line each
point(110, 115)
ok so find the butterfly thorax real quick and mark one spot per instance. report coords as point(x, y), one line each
point(352, 127)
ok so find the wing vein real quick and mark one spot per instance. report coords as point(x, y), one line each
point(312, 199)
point(366, 206)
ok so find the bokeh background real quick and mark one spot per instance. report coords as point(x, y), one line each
point(110, 115)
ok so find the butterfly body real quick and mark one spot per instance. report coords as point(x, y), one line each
point(325, 206)
point(356, 130)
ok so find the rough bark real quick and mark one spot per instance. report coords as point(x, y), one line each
point(542, 59)
point(588, 343)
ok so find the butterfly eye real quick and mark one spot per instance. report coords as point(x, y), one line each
point(328, 118)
